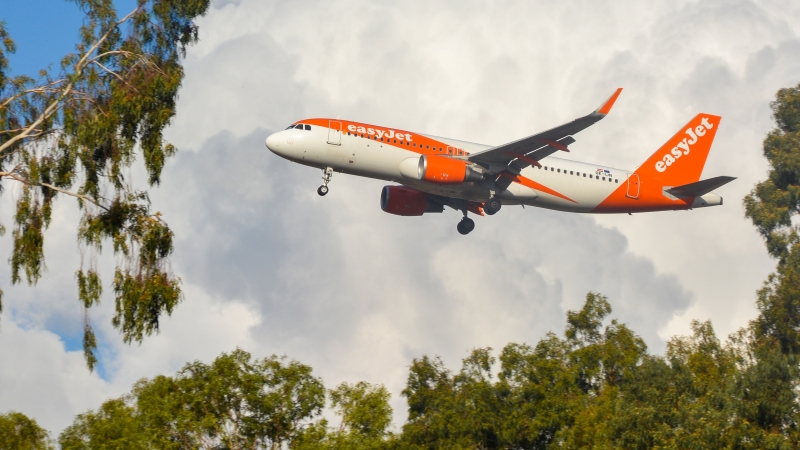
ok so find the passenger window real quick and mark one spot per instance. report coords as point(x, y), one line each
point(584, 175)
point(559, 171)
point(571, 172)
point(590, 176)
point(552, 169)
point(616, 181)
point(604, 178)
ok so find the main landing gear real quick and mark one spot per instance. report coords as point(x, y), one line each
point(492, 206)
point(327, 173)
point(466, 225)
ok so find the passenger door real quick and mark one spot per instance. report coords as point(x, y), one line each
point(633, 186)
point(334, 132)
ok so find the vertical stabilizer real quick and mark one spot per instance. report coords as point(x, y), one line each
point(681, 159)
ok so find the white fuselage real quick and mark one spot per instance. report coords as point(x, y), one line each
point(585, 184)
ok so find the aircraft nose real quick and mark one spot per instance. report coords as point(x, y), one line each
point(273, 143)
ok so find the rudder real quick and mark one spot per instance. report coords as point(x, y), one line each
point(682, 158)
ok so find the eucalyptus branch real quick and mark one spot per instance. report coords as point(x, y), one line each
point(55, 105)
point(14, 176)
point(73, 194)
point(112, 52)
point(77, 135)
point(37, 90)
point(115, 74)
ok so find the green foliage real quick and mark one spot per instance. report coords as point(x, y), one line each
point(773, 202)
point(17, 431)
point(77, 132)
point(364, 408)
point(233, 403)
point(365, 418)
point(114, 427)
point(538, 393)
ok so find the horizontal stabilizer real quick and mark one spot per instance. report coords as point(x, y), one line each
point(699, 188)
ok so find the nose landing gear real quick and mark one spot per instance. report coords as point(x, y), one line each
point(327, 173)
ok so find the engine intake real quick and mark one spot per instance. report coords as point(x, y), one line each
point(403, 201)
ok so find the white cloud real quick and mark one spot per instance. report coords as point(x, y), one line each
point(356, 293)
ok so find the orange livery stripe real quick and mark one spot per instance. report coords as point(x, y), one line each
point(527, 182)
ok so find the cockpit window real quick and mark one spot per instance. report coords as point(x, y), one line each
point(290, 127)
point(299, 126)
point(308, 127)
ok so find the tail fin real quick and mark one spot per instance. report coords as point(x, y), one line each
point(681, 159)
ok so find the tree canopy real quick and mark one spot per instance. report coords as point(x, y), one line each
point(18, 431)
point(594, 387)
point(76, 133)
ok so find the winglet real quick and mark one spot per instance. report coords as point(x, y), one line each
point(606, 107)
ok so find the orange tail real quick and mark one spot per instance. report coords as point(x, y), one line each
point(681, 159)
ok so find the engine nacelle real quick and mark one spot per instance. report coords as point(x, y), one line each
point(403, 201)
point(439, 169)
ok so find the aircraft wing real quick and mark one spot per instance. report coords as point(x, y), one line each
point(530, 150)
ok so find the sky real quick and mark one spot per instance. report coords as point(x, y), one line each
point(269, 266)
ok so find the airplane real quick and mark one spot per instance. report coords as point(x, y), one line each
point(435, 172)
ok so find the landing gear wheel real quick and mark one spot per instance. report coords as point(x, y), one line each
point(465, 226)
point(492, 206)
point(327, 173)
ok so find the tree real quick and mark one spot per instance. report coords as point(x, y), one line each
point(233, 403)
point(771, 205)
point(364, 408)
point(114, 426)
point(365, 418)
point(769, 385)
point(18, 432)
point(539, 391)
point(77, 133)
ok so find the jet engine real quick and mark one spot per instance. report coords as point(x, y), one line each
point(439, 169)
point(403, 201)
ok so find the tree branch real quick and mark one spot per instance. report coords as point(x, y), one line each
point(27, 182)
point(55, 105)
point(38, 89)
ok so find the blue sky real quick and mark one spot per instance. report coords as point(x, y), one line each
point(44, 31)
